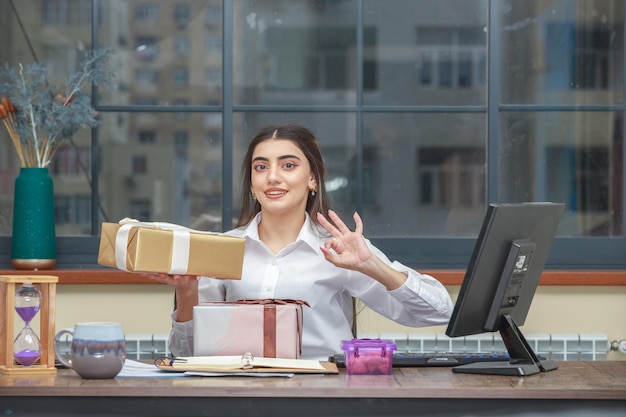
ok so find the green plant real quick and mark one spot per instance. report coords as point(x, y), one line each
point(38, 120)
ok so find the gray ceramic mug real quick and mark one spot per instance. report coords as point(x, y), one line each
point(98, 349)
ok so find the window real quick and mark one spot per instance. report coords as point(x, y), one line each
point(314, 58)
point(421, 124)
point(213, 44)
point(71, 161)
point(140, 209)
point(147, 76)
point(66, 12)
point(147, 137)
point(146, 11)
point(213, 77)
point(181, 15)
point(180, 77)
point(139, 165)
point(451, 57)
point(182, 45)
point(451, 177)
point(73, 211)
point(589, 187)
point(213, 16)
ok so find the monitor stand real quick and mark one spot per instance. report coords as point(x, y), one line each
point(523, 361)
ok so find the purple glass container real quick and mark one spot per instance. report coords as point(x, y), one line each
point(368, 356)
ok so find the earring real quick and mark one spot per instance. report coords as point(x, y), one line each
point(312, 191)
point(252, 194)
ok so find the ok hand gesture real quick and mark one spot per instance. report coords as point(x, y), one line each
point(347, 249)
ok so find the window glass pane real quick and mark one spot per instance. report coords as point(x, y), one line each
point(161, 51)
point(575, 158)
point(562, 52)
point(295, 52)
point(336, 135)
point(424, 174)
point(416, 52)
point(162, 168)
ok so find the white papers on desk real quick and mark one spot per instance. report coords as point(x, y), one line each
point(134, 369)
point(217, 364)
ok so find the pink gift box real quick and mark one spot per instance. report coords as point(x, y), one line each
point(266, 328)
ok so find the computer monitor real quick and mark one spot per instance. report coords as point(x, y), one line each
point(500, 282)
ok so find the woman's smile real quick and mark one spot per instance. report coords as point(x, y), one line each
point(274, 193)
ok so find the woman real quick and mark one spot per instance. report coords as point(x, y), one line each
point(297, 248)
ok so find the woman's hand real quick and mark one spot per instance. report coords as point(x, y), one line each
point(178, 281)
point(347, 249)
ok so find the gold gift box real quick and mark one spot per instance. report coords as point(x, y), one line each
point(149, 249)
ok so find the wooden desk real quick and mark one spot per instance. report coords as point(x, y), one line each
point(575, 389)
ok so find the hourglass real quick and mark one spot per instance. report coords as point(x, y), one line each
point(27, 296)
point(27, 347)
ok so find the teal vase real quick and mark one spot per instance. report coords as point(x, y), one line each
point(33, 244)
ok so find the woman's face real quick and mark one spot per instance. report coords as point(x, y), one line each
point(281, 176)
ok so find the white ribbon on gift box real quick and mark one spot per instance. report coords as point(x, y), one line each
point(180, 246)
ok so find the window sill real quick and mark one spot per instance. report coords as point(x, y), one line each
point(447, 277)
point(87, 276)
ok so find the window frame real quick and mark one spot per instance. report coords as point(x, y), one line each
point(584, 253)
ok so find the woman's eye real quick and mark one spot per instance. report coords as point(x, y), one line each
point(289, 165)
point(259, 167)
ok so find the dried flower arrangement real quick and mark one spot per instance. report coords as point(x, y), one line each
point(38, 120)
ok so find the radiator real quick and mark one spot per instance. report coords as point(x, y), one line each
point(555, 346)
point(147, 346)
point(559, 346)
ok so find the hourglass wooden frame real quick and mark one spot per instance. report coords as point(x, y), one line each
point(47, 315)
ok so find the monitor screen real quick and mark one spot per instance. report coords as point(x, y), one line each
point(500, 282)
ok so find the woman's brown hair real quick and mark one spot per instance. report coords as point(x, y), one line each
point(304, 139)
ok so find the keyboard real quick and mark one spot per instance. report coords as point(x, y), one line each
point(414, 359)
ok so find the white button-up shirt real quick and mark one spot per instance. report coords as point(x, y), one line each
point(300, 271)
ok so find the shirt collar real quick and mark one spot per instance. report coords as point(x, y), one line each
point(311, 234)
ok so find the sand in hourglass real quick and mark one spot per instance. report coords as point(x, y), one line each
point(27, 339)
